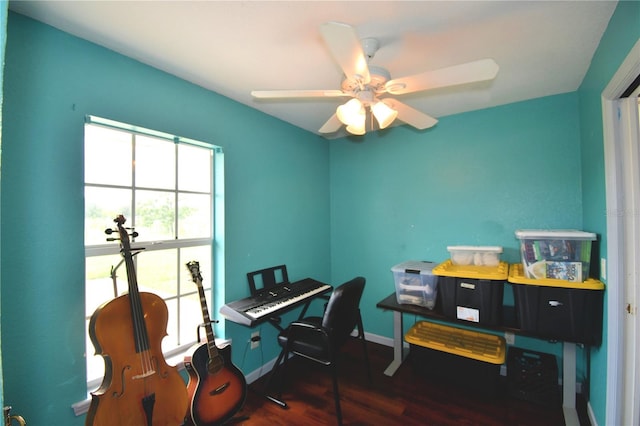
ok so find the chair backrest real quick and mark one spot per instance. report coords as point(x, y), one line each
point(267, 277)
point(342, 312)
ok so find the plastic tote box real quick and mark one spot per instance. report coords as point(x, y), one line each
point(475, 255)
point(556, 254)
point(469, 359)
point(558, 310)
point(415, 283)
point(472, 293)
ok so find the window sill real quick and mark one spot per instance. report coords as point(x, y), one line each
point(81, 407)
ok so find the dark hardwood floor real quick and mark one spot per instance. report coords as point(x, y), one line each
point(407, 398)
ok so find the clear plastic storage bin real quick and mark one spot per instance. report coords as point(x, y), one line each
point(475, 255)
point(415, 283)
point(556, 254)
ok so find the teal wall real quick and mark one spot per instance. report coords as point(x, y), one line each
point(622, 33)
point(330, 210)
point(277, 203)
point(473, 179)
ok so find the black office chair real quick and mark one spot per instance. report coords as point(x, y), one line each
point(320, 338)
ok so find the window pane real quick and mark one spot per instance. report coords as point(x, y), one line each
point(101, 206)
point(194, 215)
point(155, 163)
point(156, 272)
point(155, 215)
point(194, 168)
point(99, 285)
point(107, 156)
point(201, 254)
point(95, 363)
point(100, 289)
point(171, 340)
point(191, 317)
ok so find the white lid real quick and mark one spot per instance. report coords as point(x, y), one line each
point(414, 266)
point(487, 249)
point(554, 234)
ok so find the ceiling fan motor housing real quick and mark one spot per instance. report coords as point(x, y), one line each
point(379, 76)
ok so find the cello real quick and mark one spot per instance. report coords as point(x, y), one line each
point(139, 388)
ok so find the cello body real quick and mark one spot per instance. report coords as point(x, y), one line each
point(139, 388)
point(118, 400)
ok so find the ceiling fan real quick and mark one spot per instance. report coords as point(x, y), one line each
point(366, 84)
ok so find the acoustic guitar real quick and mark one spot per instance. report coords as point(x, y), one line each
point(217, 389)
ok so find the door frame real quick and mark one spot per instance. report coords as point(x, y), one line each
point(623, 223)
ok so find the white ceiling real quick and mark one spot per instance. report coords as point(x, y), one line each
point(232, 47)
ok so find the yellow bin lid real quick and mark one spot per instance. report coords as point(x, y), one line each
point(516, 276)
point(469, 344)
point(448, 269)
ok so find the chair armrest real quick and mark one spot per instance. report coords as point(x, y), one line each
point(298, 326)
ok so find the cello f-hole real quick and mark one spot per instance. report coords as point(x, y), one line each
point(119, 394)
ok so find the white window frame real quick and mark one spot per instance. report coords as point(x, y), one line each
point(175, 355)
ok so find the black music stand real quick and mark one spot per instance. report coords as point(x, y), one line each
point(268, 277)
point(264, 279)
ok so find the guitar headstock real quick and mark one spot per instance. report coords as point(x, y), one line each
point(194, 268)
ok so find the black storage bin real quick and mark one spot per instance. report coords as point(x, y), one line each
point(533, 376)
point(472, 293)
point(472, 300)
point(476, 377)
point(559, 310)
point(468, 359)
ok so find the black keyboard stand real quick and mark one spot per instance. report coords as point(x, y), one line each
point(276, 323)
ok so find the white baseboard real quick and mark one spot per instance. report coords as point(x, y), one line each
point(592, 417)
point(259, 372)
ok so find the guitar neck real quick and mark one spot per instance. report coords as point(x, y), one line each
point(211, 344)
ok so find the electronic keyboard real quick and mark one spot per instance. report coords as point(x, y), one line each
point(273, 301)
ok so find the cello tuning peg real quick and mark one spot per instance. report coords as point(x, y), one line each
point(134, 234)
point(112, 239)
point(108, 231)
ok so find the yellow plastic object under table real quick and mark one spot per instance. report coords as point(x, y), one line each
point(470, 344)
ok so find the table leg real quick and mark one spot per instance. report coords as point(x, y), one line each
point(398, 345)
point(569, 384)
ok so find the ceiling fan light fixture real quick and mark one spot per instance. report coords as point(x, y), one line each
point(358, 126)
point(351, 112)
point(355, 129)
point(383, 113)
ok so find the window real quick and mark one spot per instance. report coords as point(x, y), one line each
point(165, 188)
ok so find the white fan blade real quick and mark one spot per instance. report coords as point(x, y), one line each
point(332, 125)
point(272, 94)
point(470, 72)
point(411, 116)
point(344, 44)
